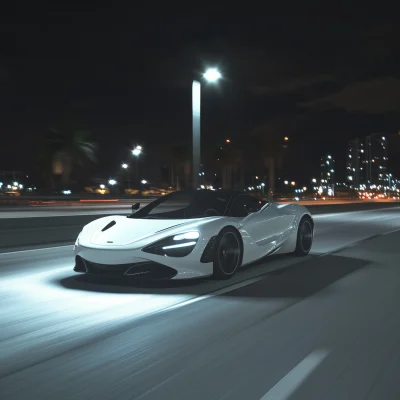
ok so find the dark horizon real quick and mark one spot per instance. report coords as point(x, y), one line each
point(317, 81)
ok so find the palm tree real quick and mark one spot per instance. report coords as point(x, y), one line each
point(44, 163)
point(181, 159)
point(271, 145)
point(271, 149)
point(230, 159)
point(71, 150)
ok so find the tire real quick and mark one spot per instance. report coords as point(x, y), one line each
point(304, 237)
point(228, 253)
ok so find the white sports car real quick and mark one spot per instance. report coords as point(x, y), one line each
point(190, 234)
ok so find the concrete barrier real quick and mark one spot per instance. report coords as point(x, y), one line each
point(42, 232)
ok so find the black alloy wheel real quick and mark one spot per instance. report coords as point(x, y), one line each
point(228, 253)
point(304, 237)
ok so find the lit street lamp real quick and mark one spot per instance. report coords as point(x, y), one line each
point(125, 167)
point(144, 181)
point(112, 182)
point(136, 152)
point(212, 75)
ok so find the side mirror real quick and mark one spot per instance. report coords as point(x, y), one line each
point(135, 206)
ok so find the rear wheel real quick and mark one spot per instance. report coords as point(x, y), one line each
point(227, 254)
point(304, 237)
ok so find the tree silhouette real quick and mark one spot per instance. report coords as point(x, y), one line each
point(271, 149)
point(269, 143)
point(181, 158)
point(230, 159)
point(71, 149)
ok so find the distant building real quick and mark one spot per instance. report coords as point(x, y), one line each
point(355, 163)
point(328, 174)
point(376, 159)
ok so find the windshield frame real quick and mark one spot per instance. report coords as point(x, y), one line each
point(144, 212)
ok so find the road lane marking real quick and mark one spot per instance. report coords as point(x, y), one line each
point(30, 250)
point(352, 212)
point(293, 380)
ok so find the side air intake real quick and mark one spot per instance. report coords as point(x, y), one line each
point(80, 265)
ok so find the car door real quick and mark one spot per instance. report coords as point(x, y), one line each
point(260, 221)
point(269, 225)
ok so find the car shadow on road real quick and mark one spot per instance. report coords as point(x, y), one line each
point(302, 279)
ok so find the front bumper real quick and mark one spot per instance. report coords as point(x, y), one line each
point(137, 264)
point(145, 269)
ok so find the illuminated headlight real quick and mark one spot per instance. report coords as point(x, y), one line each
point(187, 236)
point(174, 246)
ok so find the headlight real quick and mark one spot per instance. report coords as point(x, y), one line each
point(187, 236)
point(174, 246)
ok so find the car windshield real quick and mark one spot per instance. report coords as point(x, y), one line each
point(186, 204)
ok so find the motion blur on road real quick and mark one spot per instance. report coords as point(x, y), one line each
point(322, 327)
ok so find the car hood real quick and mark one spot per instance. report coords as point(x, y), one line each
point(120, 230)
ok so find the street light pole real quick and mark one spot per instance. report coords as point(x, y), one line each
point(196, 101)
point(212, 75)
point(136, 152)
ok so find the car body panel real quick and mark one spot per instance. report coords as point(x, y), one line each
point(271, 230)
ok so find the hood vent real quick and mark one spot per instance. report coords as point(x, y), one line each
point(108, 226)
point(170, 227)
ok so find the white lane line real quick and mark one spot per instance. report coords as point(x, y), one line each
point(293, 380)
point(214, 293)
point(39, 249)
point(351, 212)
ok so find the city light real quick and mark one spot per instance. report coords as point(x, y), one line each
point(285, 138)
point(112, 182)
point(286, 182)
point(137, 151)
point(293, 183)
point(124, 166)
point(227, 140)
point(144, 181)
point(212, 75)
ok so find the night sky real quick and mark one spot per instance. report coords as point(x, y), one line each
point(319, 80)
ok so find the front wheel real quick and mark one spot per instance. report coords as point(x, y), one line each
point(304, 237)
point(227, 254)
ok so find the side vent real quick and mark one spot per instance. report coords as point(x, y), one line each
point(108, 226)
point(208, 253)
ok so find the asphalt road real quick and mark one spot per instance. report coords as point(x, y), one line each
point(322, 327)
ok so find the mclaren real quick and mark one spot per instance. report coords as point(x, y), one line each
point(191, 234)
